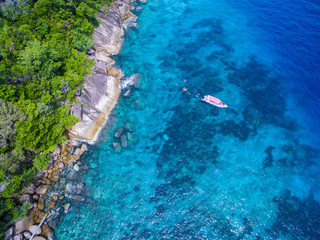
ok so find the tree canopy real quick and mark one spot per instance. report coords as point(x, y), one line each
point(43, 62)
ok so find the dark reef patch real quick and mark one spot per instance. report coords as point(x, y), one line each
point(268, 161)
point(238, 130)
point(297, 218)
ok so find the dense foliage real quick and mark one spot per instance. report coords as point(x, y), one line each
point(43, 63)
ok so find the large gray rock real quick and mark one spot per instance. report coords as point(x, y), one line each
point(8, 233)
point(99, 96)
point(108, 36)
point(100, 90)
point(23, 225)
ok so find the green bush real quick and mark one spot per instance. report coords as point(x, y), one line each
point(40, 162)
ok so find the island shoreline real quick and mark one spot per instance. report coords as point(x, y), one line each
point(93, 113)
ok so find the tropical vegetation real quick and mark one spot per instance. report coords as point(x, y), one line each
point(43, 62)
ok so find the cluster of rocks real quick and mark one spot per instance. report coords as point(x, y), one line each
point(123, 136)
point(42, 202)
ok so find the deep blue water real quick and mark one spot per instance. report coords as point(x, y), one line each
point(193, 171)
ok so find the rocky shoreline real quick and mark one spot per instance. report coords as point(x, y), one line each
point(51, 192)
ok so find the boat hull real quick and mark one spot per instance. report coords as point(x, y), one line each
point(215, 102)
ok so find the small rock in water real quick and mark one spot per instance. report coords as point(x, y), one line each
point(77, 198)
point(143, 1)
point(118, 132)
point(137, 82)
point(131, 137)
point(93, 165)
point(54, 197)
point(51, 204)
point(127, 93)
point(128, 126)
point(165, 137)
point(76, 167)
point(70, 188)
point(116, 146)
point(80, 185)
point(139, 8)
point(124, 141)
point(66, 207)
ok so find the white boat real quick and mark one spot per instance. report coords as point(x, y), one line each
point(214, 101)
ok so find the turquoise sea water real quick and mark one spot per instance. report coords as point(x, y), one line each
point(193, 171)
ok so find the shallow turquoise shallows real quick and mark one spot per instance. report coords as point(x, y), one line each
point(194, 171)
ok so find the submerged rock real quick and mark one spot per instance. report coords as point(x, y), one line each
point(118, 132)
point(127, 93)
point(77, 198)
point(116, 146)
point(124, 142)
point(128, 126)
